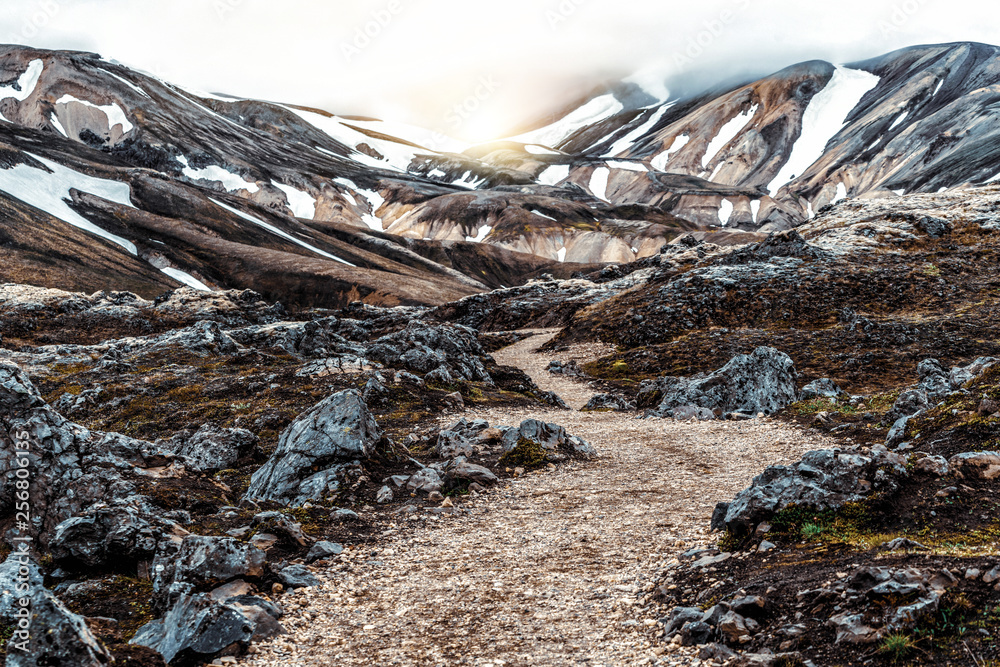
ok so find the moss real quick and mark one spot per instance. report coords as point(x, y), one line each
point(127, 599)
point(526, 454)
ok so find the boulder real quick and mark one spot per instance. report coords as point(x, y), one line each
point(424, 347)
point(608, 403)
point(961, 375)
point(304, 466)
point(19, 578)
point(210, 448)
point(298, 576)
point(679, 616)
point(909, 403)
point(460, 470)
point(56, 636)
point(202, 561)
point(763, 381)
point(282, 525)
point(977, 465)
point(933, 465)
point(451, 445)
point(689, 412)
point(197, 628)
point(109, 536)
point(822, 388)
point(552, 438)
point(851, 629)
point(425, 480)
point(824, 479)
point(732, 626)
point(324, 549)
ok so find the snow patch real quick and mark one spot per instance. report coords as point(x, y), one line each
point(626, 142)
point(825, 116)
point(542, 215)
point(841, 193)
point(554, 174)
point(561, 255)
point(628, 166)
point(302, 204)
point(484, 231)
point(755, 209)
point(599, 183)
point(535, 149)
point(659, 163)
point(114, 112)
point(727, 133)
point(725, 211)
point(277, 232)
point(186, 278)
point(594, 111)
point(56, 124)
point(937, 89)
point(49, 192)
point(26, 82)
point(900, 192)
point(396, 156)
point(375, 201)
point(230, 181)
point(896, 123)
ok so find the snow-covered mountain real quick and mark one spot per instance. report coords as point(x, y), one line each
point(111, 178)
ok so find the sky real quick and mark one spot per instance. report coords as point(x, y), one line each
point(476, 70)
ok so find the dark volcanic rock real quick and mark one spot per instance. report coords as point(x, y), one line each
point(210, 448)
point(305, 464)
point(57, 637)
point(763, 381)
point(198, 627)
point(552, 438)
point(107, 536)
point(608, 403)
point(424, 348)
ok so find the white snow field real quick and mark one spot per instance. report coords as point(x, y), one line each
point(659, 163)
point(375, 200)
point(727, 133)
point(302, 204)
point(186, 278)
point(26, 82)
point(599, 183)
point(274, 230)
point(594, 111)
point(825, 116)
point(114, 112)
point(484, 231)
point(49, 192)
point(230, 181)
point(554, 174)
point(725, 211)
point(626, 142)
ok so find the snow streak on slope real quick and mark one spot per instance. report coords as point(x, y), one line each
point(659, 163)
point(825, 116)
point(277, 232)
point(230, 181)
point(186, 278)
point(429, 139)
point(375, 200)
point(302, 204)
point(397, 156)
point(50, 192)
point(727, 133)
point(26, 83)
point(599, 183)
point(484, 231)
point(725, 212)
point(626, 142)
point(594, 111)
point(554, 174)
point(114, 112)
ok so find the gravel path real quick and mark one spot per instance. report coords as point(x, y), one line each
point(546, 569)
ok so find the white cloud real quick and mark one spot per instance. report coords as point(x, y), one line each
point(426, 56)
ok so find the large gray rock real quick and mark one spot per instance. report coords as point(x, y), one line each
point(423, 348)
point(105, 536)
point(71, 466)
point(822, 388)
point(201, 561)
point(608, 403)
point(196, 628)
point(824, 479)
point(552, 438)
point(19, 578)
point(977, 465)
point(209, 448)
point(763, 381)
point(56, 636)
point(304, 466)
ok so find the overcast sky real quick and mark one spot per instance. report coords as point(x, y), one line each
point(505, 62)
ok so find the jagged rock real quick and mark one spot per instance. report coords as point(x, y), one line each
point(689, 412)
point(197, 627)
point(423, 347)
point(935, 381)
point(408, 380)
point(451, 445)
point(608, 403)
point(933, 227)
point(903, 543)
point(461, 469)
point(19, 577)
point(375, 391)
point(763, 381)
point(977, 465)
point(71, 466)
point(304, 465)
point(209, 448)
point(282, 525)
point(851, 629)
point(383, 496)
point(109, 536)
point(961, 375)
point(909, 616)
point(933, 465)
point(822, 388)
point(425, 480)
point(439, 376)
point(324, 549)
point(733, 626)
point(910, 402)
point(787, 243)
point(203, 561)
point(824, 479)
point(570, 368)
point(551, 398)
point(552, 438)
point(316, 339)
point(717, 652)
point(696, 633)
point(897, 434)
point(679, 616)
point(298, 576)
point(57, 636)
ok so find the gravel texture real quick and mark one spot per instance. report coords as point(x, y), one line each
point(546, 569)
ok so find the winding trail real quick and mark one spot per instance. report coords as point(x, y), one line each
point(544, 570)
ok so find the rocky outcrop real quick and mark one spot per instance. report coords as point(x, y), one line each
point(57, 637)
point(210, 448)
point(197, 627)
point(311, 450)
point(109, 537)
point(551, 439)
point(763, 381)
point(425, 348)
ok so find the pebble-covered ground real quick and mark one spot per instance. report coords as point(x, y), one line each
point(546, 569)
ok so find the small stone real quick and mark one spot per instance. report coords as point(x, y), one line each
point(435, 496)
point(766, 546)
point(277, 589)
point(384, 495)
point(518, 472)
point(447, 502)
point(972, 573)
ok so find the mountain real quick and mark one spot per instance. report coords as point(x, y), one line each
point(115, 179)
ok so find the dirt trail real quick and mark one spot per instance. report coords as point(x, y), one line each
point(545, 569)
